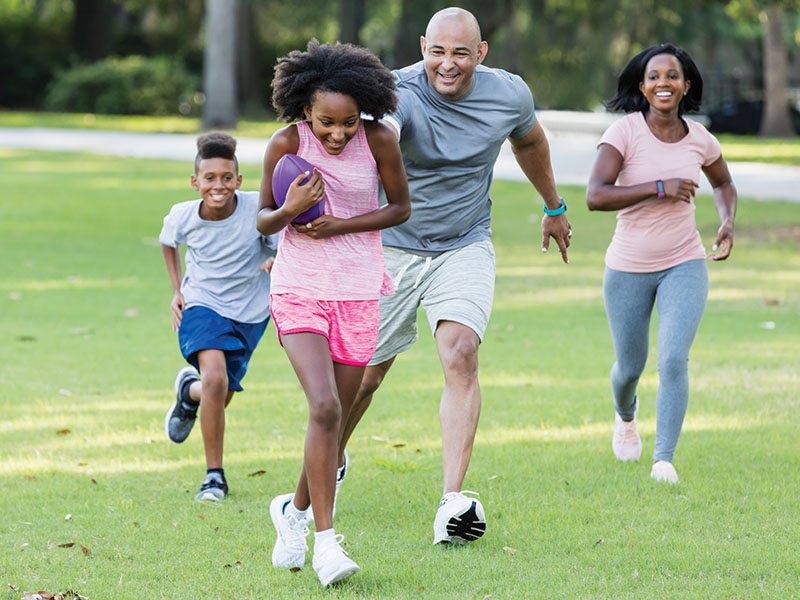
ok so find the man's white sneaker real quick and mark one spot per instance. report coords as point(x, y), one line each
point(331, 562)
point(290, 544)
point(341, 473)
point(626, 443)
point(459, 519)
point(664, 471)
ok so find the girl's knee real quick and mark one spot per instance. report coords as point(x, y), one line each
point(325, 411)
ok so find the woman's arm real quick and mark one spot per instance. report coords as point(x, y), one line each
point(603, 193)
point(386, 151)
point(725, 199)
point(272, 219)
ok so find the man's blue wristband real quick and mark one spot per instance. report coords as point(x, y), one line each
point(558, 211)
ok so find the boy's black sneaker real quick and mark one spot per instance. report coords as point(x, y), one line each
point(179, 420)
point(214, 488)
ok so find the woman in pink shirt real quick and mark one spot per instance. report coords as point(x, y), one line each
point(647, 169)
point(329, 273)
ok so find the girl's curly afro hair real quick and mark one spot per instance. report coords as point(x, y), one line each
point(341, 68)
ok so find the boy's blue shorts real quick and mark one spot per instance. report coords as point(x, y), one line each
point(204, 329)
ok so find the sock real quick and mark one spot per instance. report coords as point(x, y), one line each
point(291, 509)
point(186, 399)
point(322, 537)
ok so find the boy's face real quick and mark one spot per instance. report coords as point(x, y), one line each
point(217, 180)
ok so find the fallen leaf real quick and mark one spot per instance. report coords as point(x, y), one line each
point(256, 473)
point(14, 587)
point(228, 566)
point(238, 564)
point(63, 431)
point(510, 550)
point(294, 569)
point(420, 588)
point(772, 301)
point(201, 516)
point(67, 545)
point(46, 595)
point(216, 529)
point(599, 542)
point(84, 549)
point(399, 445)
point(83, 464)
point(93, 481)
point(31, 477)
point(68, 517)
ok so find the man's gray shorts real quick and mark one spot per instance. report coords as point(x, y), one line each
point(456, 285)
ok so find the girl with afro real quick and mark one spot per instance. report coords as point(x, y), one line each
point(329, 274)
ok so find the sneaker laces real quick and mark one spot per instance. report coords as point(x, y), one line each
point(294, 535)
point(450, 495)
point(628, 432)
point(334, 546)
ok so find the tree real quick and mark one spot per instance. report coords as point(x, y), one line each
point(776, 119)
point(351, 19)
point(219, 64)
point(93, 28)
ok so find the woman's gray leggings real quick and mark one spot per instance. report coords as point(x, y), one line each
point(680, 294)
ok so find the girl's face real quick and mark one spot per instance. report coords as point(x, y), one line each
point(664, 85)
point(333, 118)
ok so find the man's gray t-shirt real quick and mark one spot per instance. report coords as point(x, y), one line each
point(223, 258)
point(449, 150)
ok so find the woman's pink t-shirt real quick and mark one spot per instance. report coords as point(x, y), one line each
point(342, 267)
point(654, 234)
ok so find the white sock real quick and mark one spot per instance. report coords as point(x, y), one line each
point(291, 509)
point(321, 537)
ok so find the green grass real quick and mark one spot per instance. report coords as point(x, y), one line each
point(86, 346)
point(734, 147)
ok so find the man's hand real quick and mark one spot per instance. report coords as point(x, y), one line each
point(560, 230)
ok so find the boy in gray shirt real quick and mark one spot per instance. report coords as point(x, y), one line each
point(220, 308)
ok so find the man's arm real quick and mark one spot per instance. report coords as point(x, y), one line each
point(533, 156)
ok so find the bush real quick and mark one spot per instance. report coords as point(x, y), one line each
point(133, 85)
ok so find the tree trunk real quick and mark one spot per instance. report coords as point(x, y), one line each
point(219, 64)
point(93, 28)
point(414, 16)
point(251, 96)
point(351, 18)
point(776, 119)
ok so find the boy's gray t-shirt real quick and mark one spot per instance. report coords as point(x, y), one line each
point(223, 258)
point(449, 150)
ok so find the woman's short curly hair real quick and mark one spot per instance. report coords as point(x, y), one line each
point(341, 68)
point(215, 145)
point(630, 99)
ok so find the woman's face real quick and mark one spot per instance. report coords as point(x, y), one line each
point(664, 85)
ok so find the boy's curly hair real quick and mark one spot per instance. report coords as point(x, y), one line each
point(215, 145)
point(342, 68)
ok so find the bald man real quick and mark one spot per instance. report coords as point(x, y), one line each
point(453, 116)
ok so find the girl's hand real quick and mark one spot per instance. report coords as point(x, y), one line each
point(266, 266)
point(177, 306)
point(299, 198)
point(680, 189)
point(322, 227)
point(724, 242)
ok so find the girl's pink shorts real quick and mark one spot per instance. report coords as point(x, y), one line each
point(350, 326)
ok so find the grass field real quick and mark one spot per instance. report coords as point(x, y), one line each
point(88, 360)
point(734, 147)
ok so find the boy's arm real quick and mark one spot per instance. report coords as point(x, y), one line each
point(173, 260)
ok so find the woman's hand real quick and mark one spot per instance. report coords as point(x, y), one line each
point(724, 241)
point(680, 189)
point(324, 226)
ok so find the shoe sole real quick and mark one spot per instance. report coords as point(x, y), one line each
point(466, 526)
point(275, 513)
point(171, 410)
point(342, 575)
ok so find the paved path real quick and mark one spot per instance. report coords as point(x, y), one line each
point(573, 138)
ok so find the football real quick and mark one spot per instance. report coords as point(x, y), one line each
point(286, 171)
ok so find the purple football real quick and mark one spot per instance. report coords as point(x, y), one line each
point(286, 171)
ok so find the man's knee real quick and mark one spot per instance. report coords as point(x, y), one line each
point(459, 354)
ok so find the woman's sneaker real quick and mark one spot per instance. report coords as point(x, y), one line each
point(181, 417)
point(626, 443)
point(459, 519)
point(214, 488)
point(331, 562)
point(664, 471)
point(290, 544)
